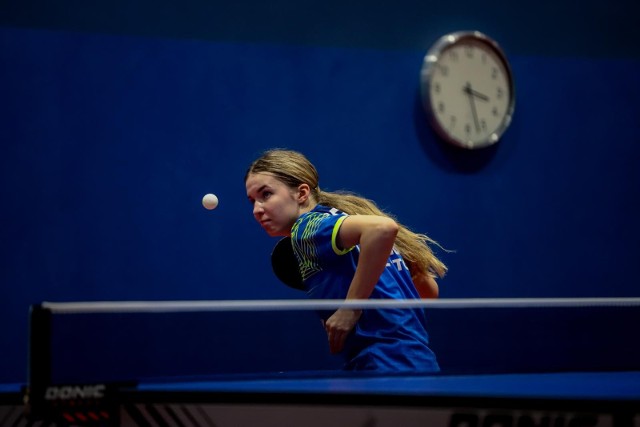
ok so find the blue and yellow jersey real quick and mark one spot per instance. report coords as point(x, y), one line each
point(383, 340)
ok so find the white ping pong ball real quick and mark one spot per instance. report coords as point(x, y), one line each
point(210, 201)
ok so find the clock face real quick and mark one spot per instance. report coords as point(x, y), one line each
point(468, 90)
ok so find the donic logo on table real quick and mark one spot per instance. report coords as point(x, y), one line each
point(69, 392)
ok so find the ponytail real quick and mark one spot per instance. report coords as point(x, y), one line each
point(414, 247)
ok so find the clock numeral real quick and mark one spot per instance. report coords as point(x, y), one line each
point(494, 73)
point(441, 107)
point(499, 93)
point(444, 70)
point(467, 128)
point(483, 124)
point(494, 111)
point(453, 55)
point(436, 87)
point(468, 50)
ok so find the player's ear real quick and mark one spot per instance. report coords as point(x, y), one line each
point(304, 192)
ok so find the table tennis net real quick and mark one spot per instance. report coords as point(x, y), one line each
point(79, 342)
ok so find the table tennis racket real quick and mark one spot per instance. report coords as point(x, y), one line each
point(285, 264)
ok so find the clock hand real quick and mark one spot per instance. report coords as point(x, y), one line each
point(478, 95)
point(470, 91)
point(467, 89)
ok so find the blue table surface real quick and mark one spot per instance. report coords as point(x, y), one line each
point(570, 385)
point(11, 387)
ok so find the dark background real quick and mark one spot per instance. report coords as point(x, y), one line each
point(117, 117)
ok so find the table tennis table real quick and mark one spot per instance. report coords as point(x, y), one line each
point(335, 399)
point(532, 399)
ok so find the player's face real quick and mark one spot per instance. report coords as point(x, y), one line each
point(275, 205)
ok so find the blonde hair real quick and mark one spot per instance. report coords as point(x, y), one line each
point(293, 169)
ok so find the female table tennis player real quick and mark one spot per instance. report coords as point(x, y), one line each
point(347, 248)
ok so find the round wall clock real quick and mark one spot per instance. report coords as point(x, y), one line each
point(467, 89)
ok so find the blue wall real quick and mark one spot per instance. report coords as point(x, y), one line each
point(116, 119)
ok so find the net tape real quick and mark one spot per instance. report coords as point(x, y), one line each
point(311, 304)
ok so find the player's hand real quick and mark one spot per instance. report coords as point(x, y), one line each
point(338, 327)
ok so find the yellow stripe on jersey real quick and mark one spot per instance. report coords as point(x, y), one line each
point(334, 236)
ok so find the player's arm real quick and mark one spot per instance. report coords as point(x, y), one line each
point(376, 236)
point(426, 285)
